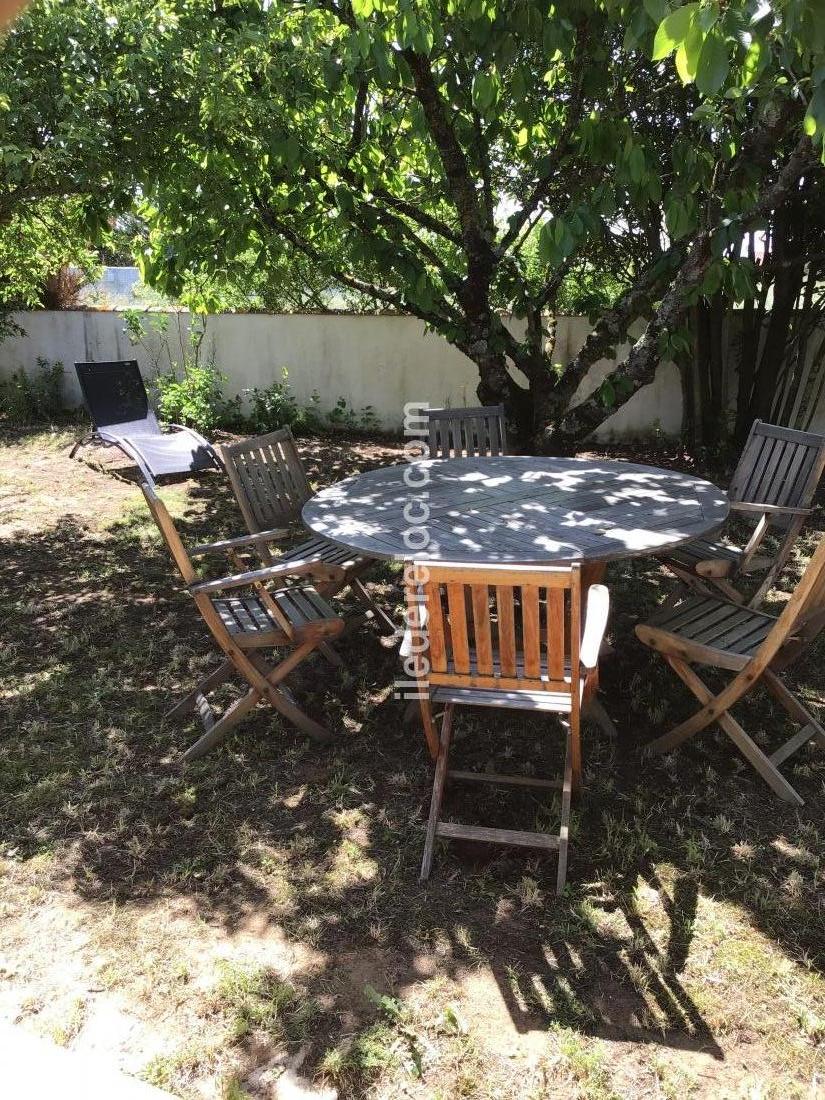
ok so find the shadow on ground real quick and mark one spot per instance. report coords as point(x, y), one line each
point(325, 843)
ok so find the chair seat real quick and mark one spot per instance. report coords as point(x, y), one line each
point(723, 633)
point(176, 452)
point(319, 549)
point(252, 624)
point(689, 556)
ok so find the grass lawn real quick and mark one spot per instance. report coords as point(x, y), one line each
point(253, 924)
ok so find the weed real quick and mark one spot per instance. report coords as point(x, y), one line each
point(255, 999)
point(33, 397)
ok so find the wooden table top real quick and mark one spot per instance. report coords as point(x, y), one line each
point(516, 509)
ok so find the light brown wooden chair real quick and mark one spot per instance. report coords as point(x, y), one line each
point(774, 482)
point(501, 636)
point(470, 433)
point(271, 487)
point(246, 619)
point(721, 634)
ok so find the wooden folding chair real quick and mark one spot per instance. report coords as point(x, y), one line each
point(271, 487)
point(246, 618)
point(722, 634)
point(774, 482)
point(501, 636)
point(471, 433)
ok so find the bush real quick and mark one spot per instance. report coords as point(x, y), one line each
point(195, 398)
point(276, 407)
point(33, 398)
point(343, 417)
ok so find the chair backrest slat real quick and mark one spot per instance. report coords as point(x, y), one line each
point(779, 466)
point(475, 433)
point(555, 629)
point(268, 479)
point(506, 629)
point(459, 635)
point(487, 629)
point(482, 631)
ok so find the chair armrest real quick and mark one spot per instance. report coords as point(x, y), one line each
point(225, 545)
point(595, 623)
point(405, 649)
point(258, 576)
point(769, 509)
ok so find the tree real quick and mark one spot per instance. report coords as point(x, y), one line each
point(424, 153)
point(71, 156)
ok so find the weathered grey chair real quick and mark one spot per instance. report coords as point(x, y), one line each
point(775, 481)
point(271, 486)
point(474, 433)
point(721, 634)
point(527, 652)
point(245, 619)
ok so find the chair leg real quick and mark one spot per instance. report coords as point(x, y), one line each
point(690, 580)
point(82, 442)
point(749, 749)
point(566, 797)
point(361, 593)
point(438, 792)
point(190, 702)
point(282, 700)
point(698, 721)
point(331, 654)
point(593, 710)
point(299, 718)
point(811, 728)
point(217, 733)
point(727, 589)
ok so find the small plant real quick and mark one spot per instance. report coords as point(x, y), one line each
point(33, 398)
point(255, 999)
point(191, 392)
point(193, 398)
point(277, 407)
point(343, 417)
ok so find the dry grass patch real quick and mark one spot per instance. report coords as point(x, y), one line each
point(256, 918)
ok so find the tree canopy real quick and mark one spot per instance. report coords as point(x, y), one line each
point(73, 127)
point(455, 159)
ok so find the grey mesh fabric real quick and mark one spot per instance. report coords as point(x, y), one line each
point(119, 407)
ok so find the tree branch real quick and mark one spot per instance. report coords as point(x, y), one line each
point(640, 365)
point(560, 149)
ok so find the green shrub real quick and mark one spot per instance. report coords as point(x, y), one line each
point(33, 398)
point(343, 417)
point(275, 407)
point(193, 397)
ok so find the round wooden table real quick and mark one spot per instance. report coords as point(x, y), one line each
point(536, 511)
point(545, 511)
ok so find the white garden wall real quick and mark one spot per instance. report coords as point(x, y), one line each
point(382, 361)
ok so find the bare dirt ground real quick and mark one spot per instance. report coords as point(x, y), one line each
point(252, 926)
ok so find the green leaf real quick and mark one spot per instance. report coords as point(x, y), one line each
point(607, 394)
point(714, 64)
point(656, 9)
point(636, 164)
point(687, 56)
point(485, 91)
point(814, 120)
point(754, 63)
point(673, 31)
